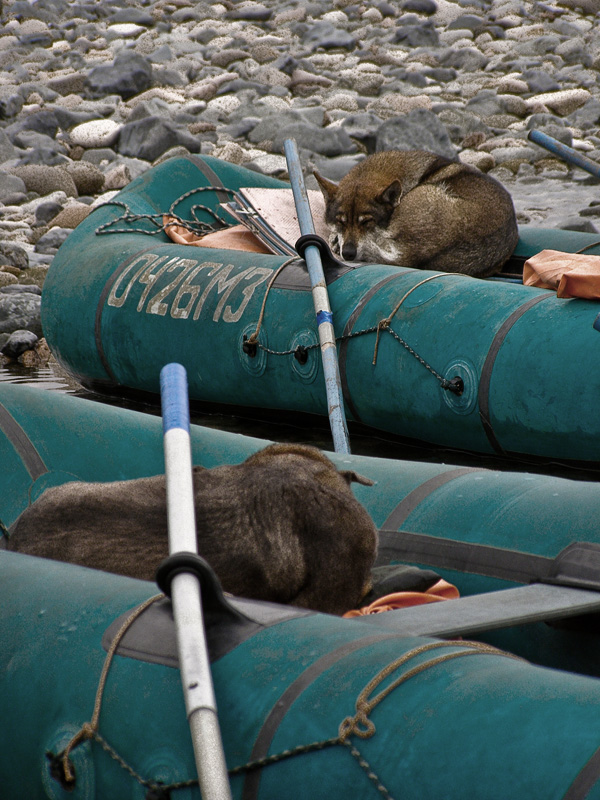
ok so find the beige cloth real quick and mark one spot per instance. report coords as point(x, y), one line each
point(570, 274)
point(236, 238)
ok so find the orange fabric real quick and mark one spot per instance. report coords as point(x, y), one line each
point(571, 274)
point(237, 237)
point(442, 590)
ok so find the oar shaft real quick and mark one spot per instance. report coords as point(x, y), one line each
point(312, 256)
point(565, 152)
point(186, 596)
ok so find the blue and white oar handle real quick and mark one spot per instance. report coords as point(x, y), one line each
point(312, 256)
point(186, 598)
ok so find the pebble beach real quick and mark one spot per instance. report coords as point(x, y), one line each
point(92, 94)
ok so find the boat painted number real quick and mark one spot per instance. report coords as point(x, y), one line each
point(180, 287)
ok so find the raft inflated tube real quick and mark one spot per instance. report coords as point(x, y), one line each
point(336, 707)
point(528, 362)
point(481, 530)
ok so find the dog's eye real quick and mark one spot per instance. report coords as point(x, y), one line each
point(341, 219)
point(365, 219)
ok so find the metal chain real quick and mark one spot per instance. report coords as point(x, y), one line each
point(449, 385)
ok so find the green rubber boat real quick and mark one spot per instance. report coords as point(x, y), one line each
point(310, 705)
point(489, 366)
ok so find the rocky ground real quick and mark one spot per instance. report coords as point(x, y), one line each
point(93, 93)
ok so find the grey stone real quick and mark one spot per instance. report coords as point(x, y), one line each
point(46, 211)
point(13, 255)
point(325, 141)
point(149, 138)
point(324, 34)
point(336, 168)
point(49, 243)
point(539, 81)
point(20, 311)
point(11, 101)
point(11, 188)
point(468, 59)
point(18, 342)
point(418, 34)
point(128, 75)
point(7, 149)
point(576, 223)
point(418, 6)
point(419, 130)
point(254, 12)
point(364, 128)
point(469, 22)
point(136, 15)
point(17, 288)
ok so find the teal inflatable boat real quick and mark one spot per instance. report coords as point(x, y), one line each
point(521, 548)
point(482, 365)
point(309, 705)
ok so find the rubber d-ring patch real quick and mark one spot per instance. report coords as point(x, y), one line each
point(306, 372)
point(465, 402)
point(257, 364)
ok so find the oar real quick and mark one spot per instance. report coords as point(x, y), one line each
point(185, 589)
point(312, 256)
point(565, 152)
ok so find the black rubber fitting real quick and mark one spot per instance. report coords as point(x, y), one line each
point(312, 239)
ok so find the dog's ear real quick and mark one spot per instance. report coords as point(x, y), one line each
point(391, 194)
point(329, 188)
point(351, 476)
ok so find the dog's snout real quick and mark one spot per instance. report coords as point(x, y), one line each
point(349, 251)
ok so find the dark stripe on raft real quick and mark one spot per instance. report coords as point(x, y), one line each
point(486, 372)
point(405, 508)
point(100, 308)
point(23, 445)
point(290, 695)
point(212, 178)
point(476, 559)
point(586, 780)
point(343, 350)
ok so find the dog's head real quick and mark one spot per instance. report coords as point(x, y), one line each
point(358, 213)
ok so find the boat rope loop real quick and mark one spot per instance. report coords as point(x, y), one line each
point(195, 225)
point(359, 725)
point(251, 343)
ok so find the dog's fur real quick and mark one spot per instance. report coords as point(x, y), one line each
point(282, 526)
point(418, 209)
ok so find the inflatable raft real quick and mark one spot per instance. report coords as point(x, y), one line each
point(482, 365)
point(336, 707)
point(489, 533)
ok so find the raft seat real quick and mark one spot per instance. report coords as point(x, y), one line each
point(570, 589)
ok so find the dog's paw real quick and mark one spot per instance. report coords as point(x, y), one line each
point(334, 244)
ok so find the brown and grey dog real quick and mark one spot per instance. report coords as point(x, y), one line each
point(418, 209)
point(283, 526)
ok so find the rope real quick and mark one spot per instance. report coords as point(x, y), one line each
point(89, 730)
point(359, 725)
point(252, 339)
point(195, 225)
point(385, 323)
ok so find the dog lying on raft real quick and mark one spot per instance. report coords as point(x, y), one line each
point(283, 526)
point(418, 209)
